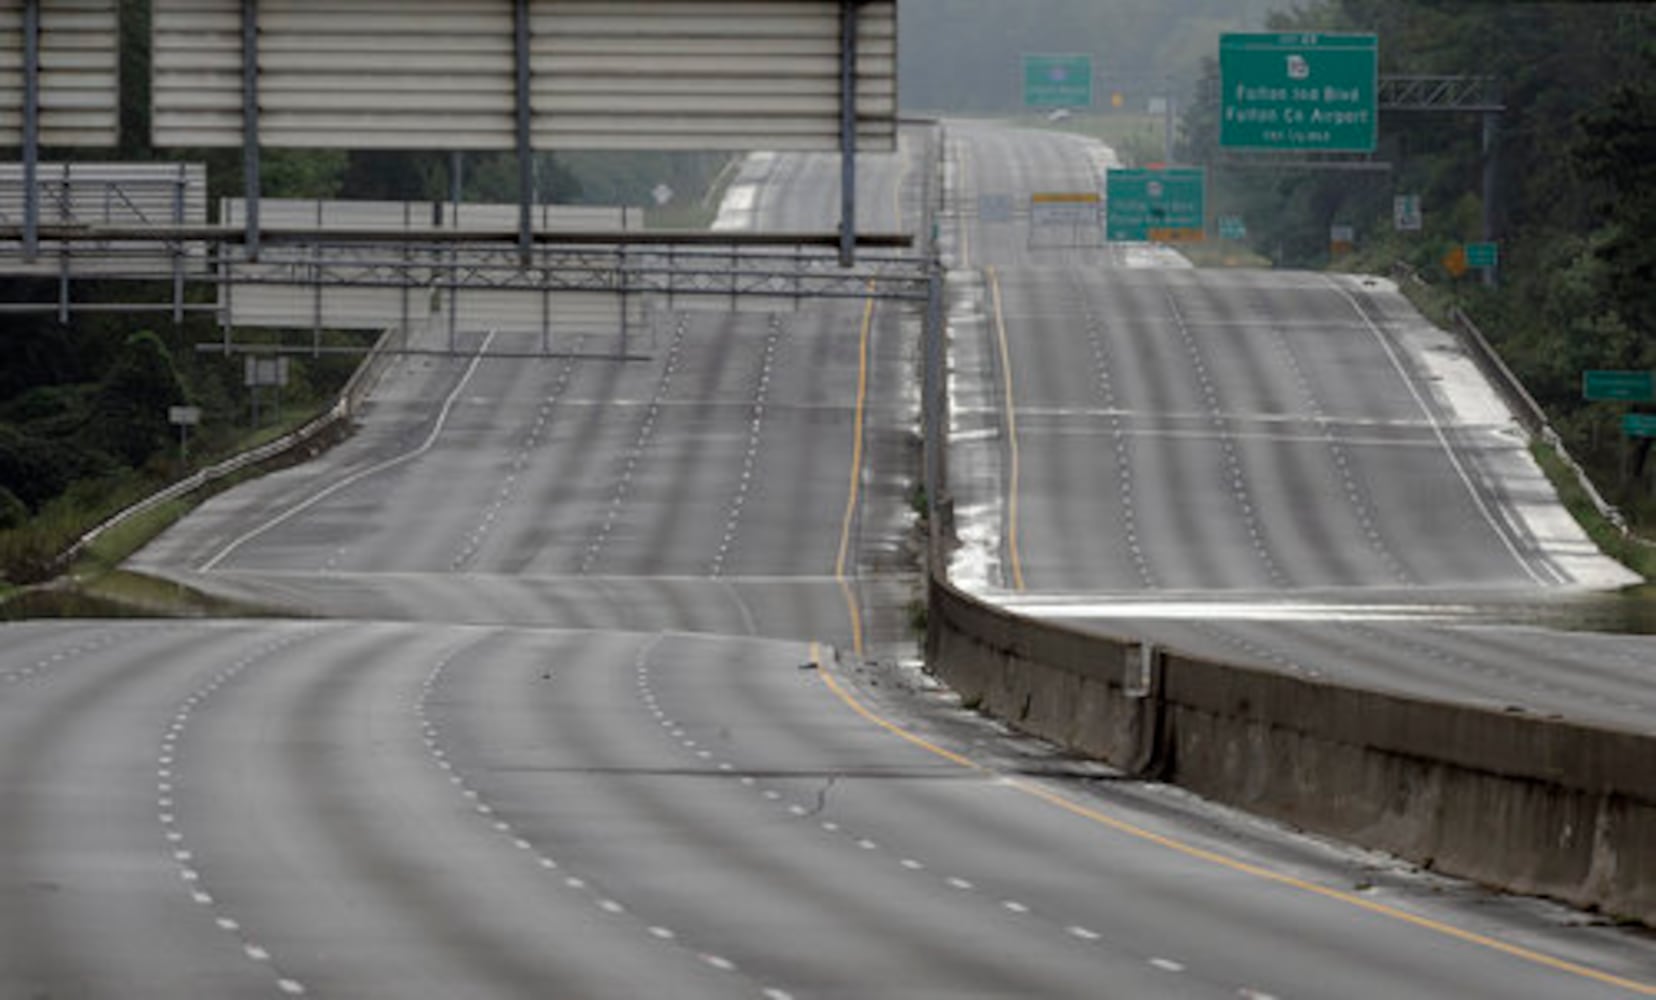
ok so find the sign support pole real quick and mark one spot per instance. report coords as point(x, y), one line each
point(1491, 143)
point(250, 122)
point(179, 189)
point(848, 133)
point(31, 128)
point(525, 155)
point(932, 393)
point(1167, 123)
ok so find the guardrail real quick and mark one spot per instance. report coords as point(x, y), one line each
point(345, 406)
point(1529, 413)
point(1514, 801)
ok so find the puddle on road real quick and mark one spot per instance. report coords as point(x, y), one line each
point(1632, 611)
point(1629, 612)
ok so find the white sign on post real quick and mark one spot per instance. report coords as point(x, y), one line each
point(1406, 215)
point(1064, 209)
point(266, 371)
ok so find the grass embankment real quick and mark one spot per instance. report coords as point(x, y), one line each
point(94, 585)
point(119, 594)
point(1631, 551)
point(1436, 303)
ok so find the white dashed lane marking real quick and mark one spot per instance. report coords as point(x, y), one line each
point(69, 655)
point(185, 858)
point(1016, 909)
point(751, 458)
point(646, 433)
point(1123, 452)
point(606, 903)
point(520, 461)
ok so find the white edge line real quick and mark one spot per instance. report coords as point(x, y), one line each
point(431, 439)
point(1437, 429)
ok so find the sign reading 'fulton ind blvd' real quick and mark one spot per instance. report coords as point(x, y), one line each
point(1299, 91)
point(1160, 206)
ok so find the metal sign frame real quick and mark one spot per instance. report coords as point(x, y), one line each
point(1077, 213)
point(539, 74)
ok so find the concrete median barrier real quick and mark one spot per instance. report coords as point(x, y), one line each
point(1517, 802)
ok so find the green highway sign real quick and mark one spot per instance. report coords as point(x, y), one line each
point(1619, 386)
point(1164, 206)
point(1299, 91)
point(1057, 81)
point(1639, 425)
point(1231, 227)
point(1482, 254)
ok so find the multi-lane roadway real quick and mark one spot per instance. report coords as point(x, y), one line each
point(1291, 469)
point(575, 705)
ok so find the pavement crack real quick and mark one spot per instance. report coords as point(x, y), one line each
point(822, 797)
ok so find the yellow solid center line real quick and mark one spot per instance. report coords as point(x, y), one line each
point(1095, 815)
point(842, 559)
point(1013, 460)
point(844, 556)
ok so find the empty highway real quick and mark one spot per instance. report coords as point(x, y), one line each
point(590, 683)
point(1293, 470)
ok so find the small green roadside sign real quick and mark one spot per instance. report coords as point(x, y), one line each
point(1299, 91)
point(1619, 386)
point(1639, 425)
point(1057, 81)
point(1162, 206)
point(1232, 227)
point(1482, 254)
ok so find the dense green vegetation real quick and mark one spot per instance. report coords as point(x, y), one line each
point(1575, 191)
point(84, 428)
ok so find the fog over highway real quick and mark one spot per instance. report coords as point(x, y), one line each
point(595, 679)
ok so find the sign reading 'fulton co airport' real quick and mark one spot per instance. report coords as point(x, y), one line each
point(1297, 91)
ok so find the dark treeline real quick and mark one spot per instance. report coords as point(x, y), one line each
point(1575, 192)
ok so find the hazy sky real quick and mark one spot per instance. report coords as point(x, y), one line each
point(966, 54)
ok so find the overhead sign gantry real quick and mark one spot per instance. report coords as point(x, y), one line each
point(1301, 91)
point(76, 104)
point(527, 76)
